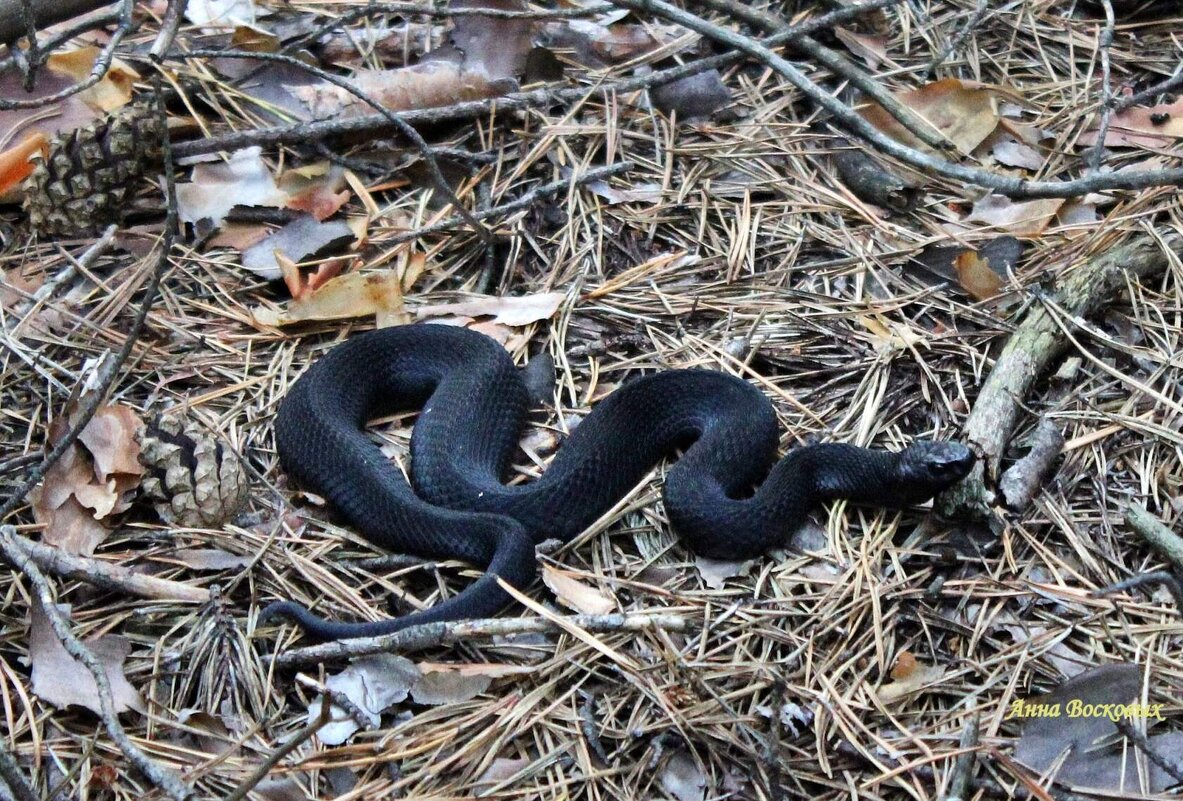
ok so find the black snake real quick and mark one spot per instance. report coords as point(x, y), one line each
point(474, 404)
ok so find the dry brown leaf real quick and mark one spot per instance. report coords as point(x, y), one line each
point(576, 595)
point(497, 47)
point(15, 166)
point(1022, 218)
point(975, 276)
point(60, 680)
point(966, 112)
point(871, 48)
point(302, 239)
point(909, 675)
point(112, 92)
point(683, 779)
point(341, 298)
point(1013, 153)
point(509, 310)
point(426, 85)
point(317, 188)
point(1153, 127)
point(501, 769)
point(715, 572)
point(95, 478)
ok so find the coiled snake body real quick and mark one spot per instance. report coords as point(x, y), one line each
point(474, 404)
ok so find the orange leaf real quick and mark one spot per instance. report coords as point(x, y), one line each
point(14, 162)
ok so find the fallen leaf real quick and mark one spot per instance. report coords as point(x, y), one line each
point(871, 48)
point(112, 92)
point(374, 684)
point(575, 594)
point(60, 680)
point(1022, 218)
point(318, 189)
point(211, 559)
point(1013, 153)
point(93, 480)
point(440, 687)
point(1071, 727)
point(1152, 127)
point(502, 769)
point(715, 572)
point(642, 193)
point(300, 240)
point(509, 310)
point(910, 676)
point(976, 277)
point(346, 296)
point(219, 14)
point(1003, 254)
point(694, 97)
point(15, 166)
point(683, 779)
point(966, 112)
point(243, 179)
point(497, 47)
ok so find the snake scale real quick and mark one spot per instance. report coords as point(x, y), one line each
point(474, 406)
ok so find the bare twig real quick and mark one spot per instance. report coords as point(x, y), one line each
point(432, 635)
point(65, 35)
point(101, 65)
point(1170, 766)
point(310, 132)
point(258, 774)
point(1105, 42)
point(66, 274)
point(851, 121)
point(1023, 479)
point(12, 778)
point(1161, 538)
point(16, 555)
point(840, 66)
point(960, 781)
point(975, 19)
point(1150, 92)
point(168, 28)
point(103, 574)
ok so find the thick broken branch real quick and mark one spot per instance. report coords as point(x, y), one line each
point(1031, 348)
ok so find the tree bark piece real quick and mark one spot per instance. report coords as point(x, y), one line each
point(45, 13)
point(1027, 355)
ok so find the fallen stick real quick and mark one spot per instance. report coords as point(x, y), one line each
point(1031, 348)
point(101, 574)
point(431, 635)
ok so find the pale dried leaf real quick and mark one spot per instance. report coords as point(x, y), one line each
point(715, 572)
point(341, 298)
point(966, 112)
point(1014, 153)
point(1022, 218)
point(497, 47)
point(683, 779)
point(211, 559)
point(502, 769)
point(112, 92)
point(220, 13)
point(1151, 127)
point(575, 594)
point(910, 676)
point(241, 180)
point(301, 239)
point(515, 311)
point(60, 680)
point(374, 684)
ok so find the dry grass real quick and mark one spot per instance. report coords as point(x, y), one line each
point(791, 284)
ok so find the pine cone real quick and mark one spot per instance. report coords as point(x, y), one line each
point(192, 479)
point(83, 184)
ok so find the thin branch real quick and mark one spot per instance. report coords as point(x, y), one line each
point(1006, 185)
point(1169, 766)
point(304, 132)
point(258, 774)
point(1105, 41)
point(433, 635)
point(101, 64)
point(12, 776)
point(1174, 587)
point(16, 556)
point(103, 574)
point(840, 66)
point(955, 43)
point(1151, 92)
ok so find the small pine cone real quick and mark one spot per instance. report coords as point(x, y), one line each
point(85, 181)
point(192, 480)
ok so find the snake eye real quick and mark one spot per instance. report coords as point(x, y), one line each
point(937, 465)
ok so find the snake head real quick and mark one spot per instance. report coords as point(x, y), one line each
point(926, 468)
